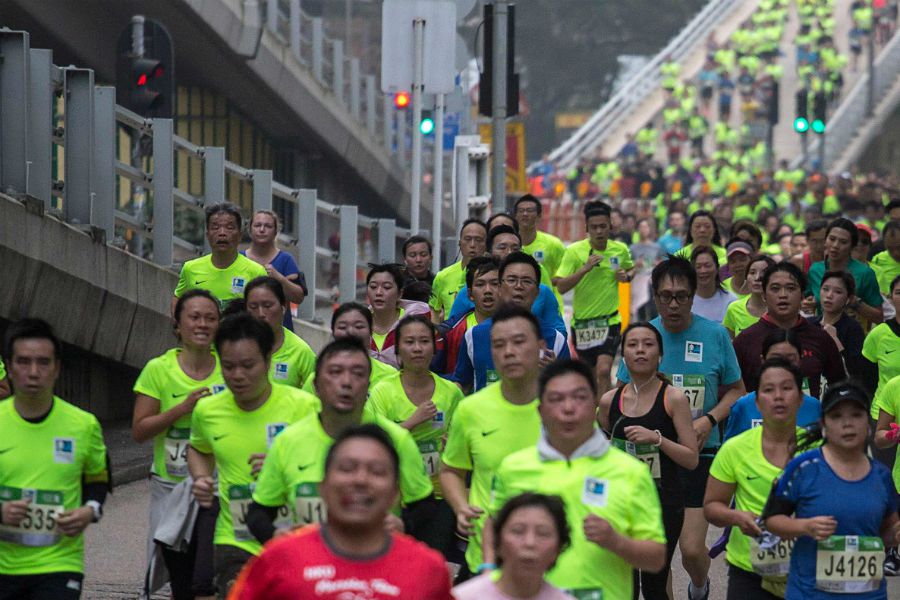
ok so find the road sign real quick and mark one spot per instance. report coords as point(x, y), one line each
point(397, 17)
point(451, 129)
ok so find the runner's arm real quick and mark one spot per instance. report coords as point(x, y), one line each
point(882, 428)
point(733, 391)
point(682, 451)
point(147, 422)
point(261, 521)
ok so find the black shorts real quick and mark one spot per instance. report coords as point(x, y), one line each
point(46, 586)
point(706, 92)
point(693, 483)
point(607, 348)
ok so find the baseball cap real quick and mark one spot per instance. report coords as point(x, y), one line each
point(844, 391)
point(739, 246)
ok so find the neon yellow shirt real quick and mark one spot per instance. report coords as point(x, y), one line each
point(886, 270)
point(597, 294)
point(221, 428)
point(295, 465)
point(2, 370)
point(293, 363)
point(164, 380)
point(47, 461)
point(613, 486)
point(389, 400)
point(686, 252)
point(225, 284)
point(486, 428)
point(890, 403)
point(879, 347)
point(446, 285)
point(380, 370)
point(548, 250)
point(737, 317)
point(741, 461)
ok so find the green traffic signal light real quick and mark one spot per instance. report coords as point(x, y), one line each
point(426, 126)
point(818, 126)
point(801, 125)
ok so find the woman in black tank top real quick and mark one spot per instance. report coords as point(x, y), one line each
point(651, 420)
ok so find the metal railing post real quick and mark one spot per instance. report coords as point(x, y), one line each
point(349, 217)
point(104, 160)
point(387, 240)
point(354, 89)
point(163, 192)
point(318, 45)
point(388, 124)
point(295, 17)
point(306, 227)
point(79, 144)
point(14, 71)
point(337, 73)
point(213, 175)
point(262, 190)
point(272, 15)
point(40, 125)
point(370, 104)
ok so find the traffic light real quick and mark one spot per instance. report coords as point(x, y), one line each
point(485, 79)
point(146, 74)
point(145, 81)
point(801, 120)
point(426, 125)
point(820, 109)
point(402, 100)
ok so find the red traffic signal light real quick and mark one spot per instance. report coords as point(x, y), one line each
point(145, 72)
point(401, 100)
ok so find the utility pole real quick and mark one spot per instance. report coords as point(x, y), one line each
point(438, 201)
point(498, 119)
point(418, 84)
point(137, 191)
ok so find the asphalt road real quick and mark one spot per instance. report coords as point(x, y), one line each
point(115, 552)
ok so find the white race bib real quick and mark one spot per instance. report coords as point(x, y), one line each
point(694, 387)
point(39, 527)
point(772, 561)
point(646, 453)
point(177, 441)
point(308, 505)
point(849, 564)
point(590, 333)
point(431, 456)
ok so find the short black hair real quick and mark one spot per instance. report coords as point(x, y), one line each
point(520, 257)
point(271, 284)
point(416, 239)
point(749, 227)
point(366, 431)
point(501, 230)
point(347, 344)
point(673, 268)
point(848, 226)
point(497, 215)
point(193, 293)
point(244, 326)
point(529, 198)
point(224, 207)
point(32, 329)
point(563, 367)
point(780, 336)
point(473, 221)
point(784, 266)
point(816, 225)
point(845, 276)
point(351, 307)
point(642, 325)
point(780, 363)
point(421, 319)
point(419, 291)
point(891, 227)
point(478, 266)
point(507, 312)
point(392, 269)
point(596, 208)
point(552, 504)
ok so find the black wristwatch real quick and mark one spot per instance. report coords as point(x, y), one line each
point(712, 419)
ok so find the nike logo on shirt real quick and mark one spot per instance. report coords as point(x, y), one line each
point(487, 433)
point(219, 437)
point(304, 467)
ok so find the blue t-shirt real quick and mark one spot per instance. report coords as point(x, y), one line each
point(285, 264)
point(475, 364)
point(745, 415)
point(859, 507)
point(670, 243)
point(545, 308)
point(697, 360)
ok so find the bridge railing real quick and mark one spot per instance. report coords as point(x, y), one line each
point(629, 97)
point(66, 146)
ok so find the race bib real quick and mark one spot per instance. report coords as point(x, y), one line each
point(431, 456)
point(39, 527)
point(646, 453)
point(849, 564)
point(594, 491)
point(587, 594)
point(590, 333)
point(309, 506)
point(281, 371)
point(772, 561)
point(694, 387)
point(239, 499)
point(177, 441)
point(237, 285)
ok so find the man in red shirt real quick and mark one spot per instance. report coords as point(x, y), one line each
point(352, 556)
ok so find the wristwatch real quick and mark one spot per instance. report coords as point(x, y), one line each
point(97, 508)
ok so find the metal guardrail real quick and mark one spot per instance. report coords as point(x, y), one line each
point(61, 143)
point(850, 116)
point(593, 133)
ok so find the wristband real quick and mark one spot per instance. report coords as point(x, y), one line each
point(890, 435)
point(485, 566)
point(96, 508)
point(658, 441)
point(712, 419)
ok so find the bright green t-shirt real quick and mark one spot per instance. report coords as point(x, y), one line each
point(225, 284)
point(890, 403)
point(486, 428)
point(389, 400)
point(446, 285)
point(380, 370)
point(740, 461)
point(886, 270)
point(729, 286)
point(613, 486)
point(686, 252)
point(597, 294)
point(47, 462)
point(293, 363)
point(295, 466)
point(221, 428)
point(548, 250)
point(2, 370)
point(164, 380)
point(879, 347)
point(737, 317)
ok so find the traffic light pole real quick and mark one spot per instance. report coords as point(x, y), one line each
point(822, 152)
point(498, 119)
point(805, 146)
point(418, 77)
point(437, 201)
point(137, 194)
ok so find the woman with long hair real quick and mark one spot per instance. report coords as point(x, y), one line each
point(384, 284)
point(702, 231)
